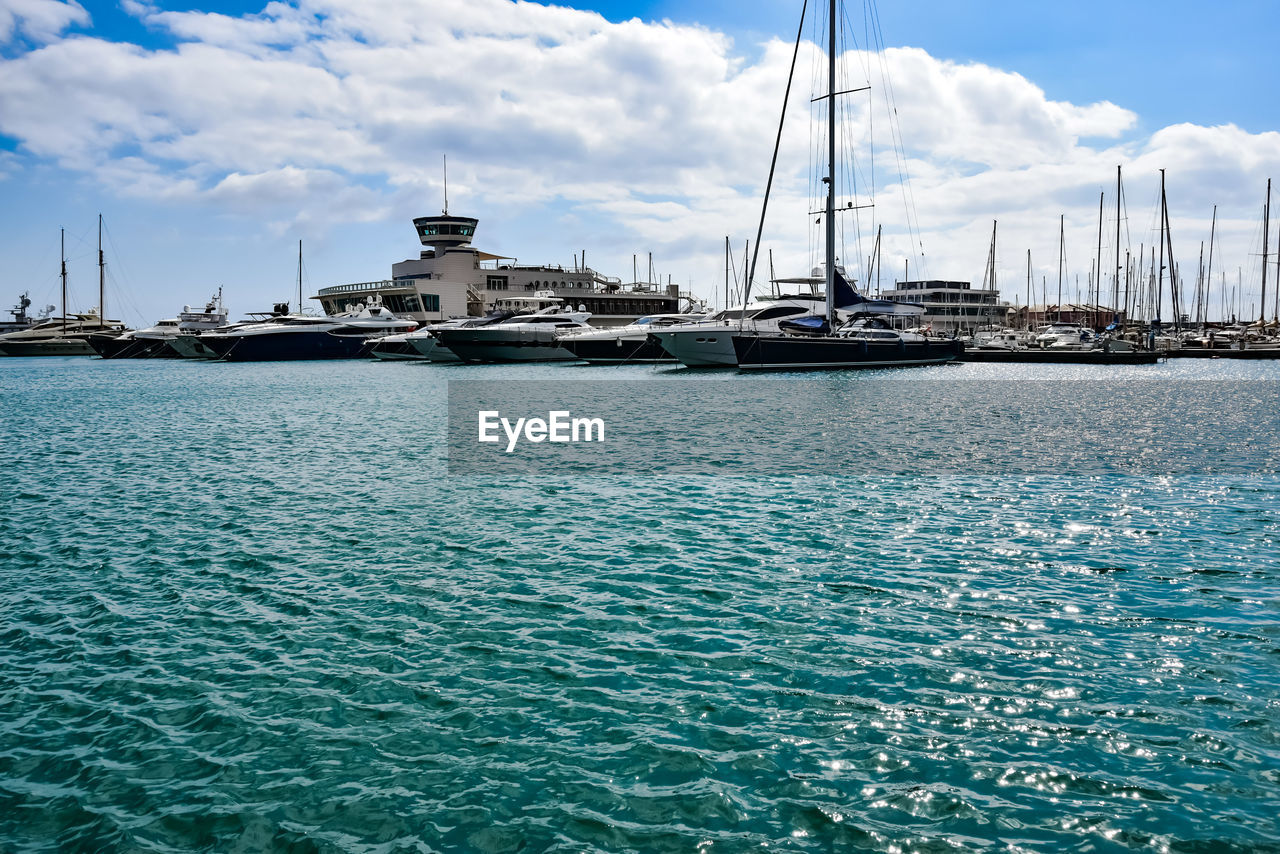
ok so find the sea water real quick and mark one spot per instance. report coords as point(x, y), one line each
point(250, 607)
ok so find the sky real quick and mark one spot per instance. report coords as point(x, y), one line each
point(212, 137)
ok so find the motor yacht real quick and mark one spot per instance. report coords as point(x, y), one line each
point(427, 344)
point(156, 342)
point(531, 337)
point(299, 336)
point(631, 343)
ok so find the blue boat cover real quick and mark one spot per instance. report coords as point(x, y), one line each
point(808, 323)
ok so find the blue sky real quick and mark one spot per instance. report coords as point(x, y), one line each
point(214, 135)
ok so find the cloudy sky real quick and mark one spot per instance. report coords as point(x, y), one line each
point(213, 137)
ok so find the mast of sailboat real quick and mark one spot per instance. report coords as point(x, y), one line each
point(831, 164)
point(1266, 228)
point(446, 184)
point(1174, 287)
point(877, 264)
point(1062, 248)
point(1097, 274)
point(1160, 279)
point(726, 272)
point(299, 277)
point(1208, 278)
point(1115, 290)
point(102, 280)
point(1028, 289)
point(773, 164)
point(62, 237)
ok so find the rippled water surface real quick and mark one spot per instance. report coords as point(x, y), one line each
point(246, 608)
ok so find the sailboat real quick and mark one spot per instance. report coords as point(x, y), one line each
point(67, 335)
point(863, 337)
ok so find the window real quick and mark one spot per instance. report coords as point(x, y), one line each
point(495, 283)
point(777, 311)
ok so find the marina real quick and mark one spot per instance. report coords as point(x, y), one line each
point(806, 427)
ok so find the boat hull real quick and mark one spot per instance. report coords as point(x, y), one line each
point(112, 347)
point(429, 347)
point(393, 351)
point(786, 352)
point(508, 345)
point(287, 347)
point(47, 347)
point(618, 350)
point(708, 347)
point(191, 347)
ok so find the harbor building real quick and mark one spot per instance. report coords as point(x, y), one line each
point(452, 278)
point(953, 306)
point(1096, 317)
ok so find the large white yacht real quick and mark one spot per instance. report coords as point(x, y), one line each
point(156, 342)
point(527, 337)
point(450, 278)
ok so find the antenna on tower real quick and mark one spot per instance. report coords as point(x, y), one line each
point(446, 185)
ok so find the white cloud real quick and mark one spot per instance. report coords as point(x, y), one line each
point(41, 21)
point(644, 134)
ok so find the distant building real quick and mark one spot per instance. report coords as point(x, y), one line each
point(1094, 316)
point(953, 306)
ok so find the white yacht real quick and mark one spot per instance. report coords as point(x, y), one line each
point(1065, 336)
point(528, 337)
point(156, 342)
point(708, 343)
point(622, 344)
point(1003, 339)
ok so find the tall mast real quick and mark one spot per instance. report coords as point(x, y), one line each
point(446, 184)
point(1174, 297)
point(1028, 288)
point(1062, 248)
point(1097, 268)
point(1115, 290)
point(102, 280)
point(1208, 279)
point(299, 277)
point(831, 164)
point(62, 237)
point(1160, 280)
point(1266, 227)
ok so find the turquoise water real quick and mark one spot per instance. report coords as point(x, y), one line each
point(246, 608)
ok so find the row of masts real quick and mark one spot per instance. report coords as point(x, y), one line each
point(1137, 296)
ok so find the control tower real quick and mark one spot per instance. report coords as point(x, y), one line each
point(445, 232)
